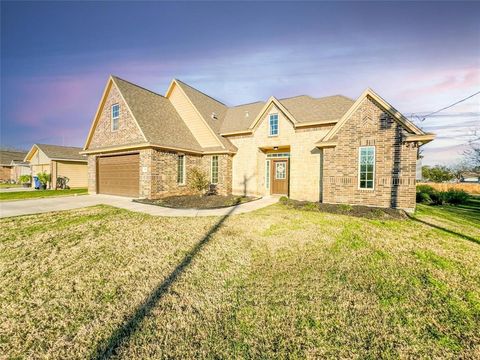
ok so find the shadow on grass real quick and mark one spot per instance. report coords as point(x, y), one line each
point(132, 323)
point(451, 232)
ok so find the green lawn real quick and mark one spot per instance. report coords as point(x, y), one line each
point(21, 195)
point(8, 186)
point(276, 283)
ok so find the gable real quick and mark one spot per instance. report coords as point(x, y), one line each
point(386, 108)
point(36, 156)
point(101, 134)
point(192, 118)
point(262, 127)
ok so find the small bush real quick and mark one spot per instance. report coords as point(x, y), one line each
point(198, 180)
point(438, 198)
point(428, 195)
point(426, 189)
point(423, 198)
point(25, 179)
point(44, 178)
point(456, 197)
point(284, 199)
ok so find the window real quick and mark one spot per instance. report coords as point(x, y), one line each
point(267, 174)
point(280, 170)
point(181, 170)
point(273, 125)
point(366, 167)
point(278, 155)
point(115, 116)
point(214, 175)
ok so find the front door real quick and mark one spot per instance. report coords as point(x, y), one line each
point(279, 177)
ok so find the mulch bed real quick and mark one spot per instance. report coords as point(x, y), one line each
point(343, 209)
point(198, 201)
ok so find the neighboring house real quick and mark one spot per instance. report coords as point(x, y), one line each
point(59, 161)
point(19, 168)
point(331, 149)
point(470, 177)
point(11, 165)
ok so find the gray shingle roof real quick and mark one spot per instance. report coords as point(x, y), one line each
point(163, 126)
point(157, 117)
point(304, 108)
point(7, 156)
point(62, 152)
point(206, 105)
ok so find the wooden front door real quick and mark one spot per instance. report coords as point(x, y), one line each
point(279, 176)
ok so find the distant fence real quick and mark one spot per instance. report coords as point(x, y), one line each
point(470, 188)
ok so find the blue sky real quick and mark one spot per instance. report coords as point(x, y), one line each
point(419, 56)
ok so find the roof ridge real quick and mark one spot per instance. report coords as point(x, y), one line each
point(138, 86)
point(201, 92)
point(64, 146)
point(336, 95)
point(250, 103)
point(292, 97)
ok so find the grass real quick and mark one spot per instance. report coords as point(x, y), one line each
point(276, 283)
point(35, 194)
point(8, 186)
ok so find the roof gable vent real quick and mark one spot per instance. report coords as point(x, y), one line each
point(247, 114)
point(214, 116)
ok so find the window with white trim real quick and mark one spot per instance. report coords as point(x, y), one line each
point(273, 125)
point(366, 167)
point(267, 174)
point(115, 116)
point(214, 168)
point(181, 170)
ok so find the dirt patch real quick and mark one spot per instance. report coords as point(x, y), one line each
point(198, 201)
point(344, 209)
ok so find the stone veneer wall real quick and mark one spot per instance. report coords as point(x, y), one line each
point(395, 161)
point(158, 173)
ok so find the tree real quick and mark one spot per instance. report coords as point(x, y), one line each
point(437, 173)
point(458, 170)
point(472, 154)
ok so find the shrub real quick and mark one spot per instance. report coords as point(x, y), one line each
point(43, 177)
point(456, 197)
point(423, 198)
point(198, 180)
point(283, 199)
point(428, 195)
point(24, 179)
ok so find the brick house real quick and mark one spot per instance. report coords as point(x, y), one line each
point(331, 149)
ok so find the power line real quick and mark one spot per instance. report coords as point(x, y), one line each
point(446, 107)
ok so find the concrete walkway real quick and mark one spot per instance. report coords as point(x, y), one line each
point(37, 206)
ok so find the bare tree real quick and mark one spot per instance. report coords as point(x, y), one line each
point(472, 154)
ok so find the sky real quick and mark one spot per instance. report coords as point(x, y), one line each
point(419, 56)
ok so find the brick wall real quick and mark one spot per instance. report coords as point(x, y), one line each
point(158, 173)
point(395, 161)
point(128, 131)
point(5, 174)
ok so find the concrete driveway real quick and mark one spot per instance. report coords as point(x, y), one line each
point(37, 206)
